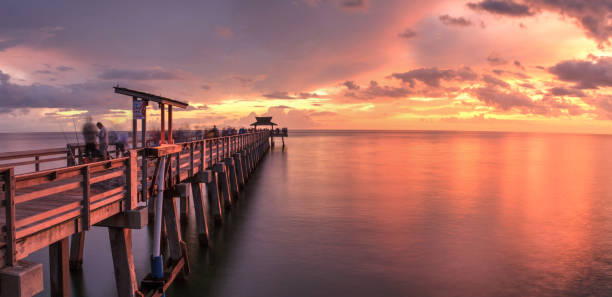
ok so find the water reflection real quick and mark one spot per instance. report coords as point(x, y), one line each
point(403, 214)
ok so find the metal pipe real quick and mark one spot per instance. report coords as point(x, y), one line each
point(157, 267)
point(158, 208)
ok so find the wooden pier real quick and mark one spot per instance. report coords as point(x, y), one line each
point(45, 207)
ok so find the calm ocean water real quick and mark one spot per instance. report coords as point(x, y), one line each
point(400, 214)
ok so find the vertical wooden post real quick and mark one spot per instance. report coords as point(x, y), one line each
point(144, 196)
point(191, 167)
point(77, 243)
point(177, 248)
point(210, 152)
point(214, 199)
point(86, 211)
point(123, 261)
point(200, 205)
point(162, 132)
point(202, 154)
point(9, 207)
point(170, 139)
point(59, 268)
point(131, 175)
point(222, 175)
point(134, 126)
point(37, 164)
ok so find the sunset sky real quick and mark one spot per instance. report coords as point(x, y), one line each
point(530, 65)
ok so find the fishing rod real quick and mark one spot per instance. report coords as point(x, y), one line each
point(76, 135)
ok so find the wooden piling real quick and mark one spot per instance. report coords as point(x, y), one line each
point(233, 180)
point(77, 244)
point(226, 192)
point(201, 209)
point(214, 199)
point(175, 241)
point(59, 268)
point(239, 172)
point(123, 261)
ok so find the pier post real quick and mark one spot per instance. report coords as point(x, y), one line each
point(123, 261)
point(245, 165)
point(177, 248)
point(185, 193)
point(59, 268)
point(221, 171)
point(214, 199)
point(200, 205)
point(233, 180)
point(77, 243)
point(239, 172)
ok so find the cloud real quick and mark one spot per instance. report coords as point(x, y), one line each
point(592, 15)
point(64, 68)
point(279, 95)
point(502, 7)
point(353, 4)
point(206, 87)
point(349, 84)
point(129, 74)
point(519, 65)
point(585, 74)
point(43, 72)
point(561, 91)
point(286, 95)
point(433, 76)
point(504, 100)
point(224, 32)
point(374, 90)
point(92, 96)
point(489, 79)
point(454, 21)
point(408, 33)
point(496, 60)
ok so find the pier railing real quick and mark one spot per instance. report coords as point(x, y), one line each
point(46, 206)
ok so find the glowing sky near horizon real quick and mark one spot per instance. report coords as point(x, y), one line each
point(508, 65)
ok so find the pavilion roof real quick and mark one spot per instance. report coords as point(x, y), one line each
point(264, 121)
point(150, 97)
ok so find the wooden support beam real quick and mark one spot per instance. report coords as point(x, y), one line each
point(239, 173)
point(131, 219)
point(134, 127)
point(214, 199)
point(233, 179)
point(59, 268)
point(175, 241)
point(123, 262)
point(77, 244)
point(225, 191)
point(201, 208)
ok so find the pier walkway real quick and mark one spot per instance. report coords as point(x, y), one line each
point(45, 207)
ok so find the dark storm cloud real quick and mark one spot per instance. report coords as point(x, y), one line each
point(408, 33)
point(90, 96)
point(454, 21)
point(433, 76)
point(585, 74)
point(502, 7)
point(592, 15)
point(129, 74)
